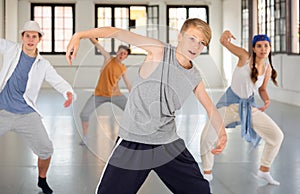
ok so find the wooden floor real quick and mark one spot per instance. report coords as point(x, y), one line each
point(76, 169)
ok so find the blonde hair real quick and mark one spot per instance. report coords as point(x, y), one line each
point(200, 25)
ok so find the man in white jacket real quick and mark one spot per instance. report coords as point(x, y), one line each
point(22, 74)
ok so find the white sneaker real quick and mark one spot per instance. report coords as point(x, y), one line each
point(267, 177)
point(208, 177)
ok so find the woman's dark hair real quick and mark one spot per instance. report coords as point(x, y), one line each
point(254, 71)
point(125, 48)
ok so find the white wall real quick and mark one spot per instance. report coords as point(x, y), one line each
point(11, 23)
point(231, 21)
point(288, 68)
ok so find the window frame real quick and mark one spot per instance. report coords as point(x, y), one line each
point(247, 35)
point(290, 10)
point(53, 5)
point(113, 6)
point(279, 32)
point(151, 18)
point(187, 16)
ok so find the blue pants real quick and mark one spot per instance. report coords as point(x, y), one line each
point(131, 162)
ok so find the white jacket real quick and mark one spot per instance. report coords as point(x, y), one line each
point(41, 70)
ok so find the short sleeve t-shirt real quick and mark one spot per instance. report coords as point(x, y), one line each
point(11, 97)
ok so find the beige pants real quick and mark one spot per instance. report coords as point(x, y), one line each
point(263, 125)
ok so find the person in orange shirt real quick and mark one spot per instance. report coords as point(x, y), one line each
point(107, 89)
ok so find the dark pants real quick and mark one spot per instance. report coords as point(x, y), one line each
point(131, 162)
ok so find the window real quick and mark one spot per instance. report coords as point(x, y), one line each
point(279, 19)
point(152, 23)
point(57, 22)
point(176, 15)
point(246, 24)
point(272, 21)
point(140, 19)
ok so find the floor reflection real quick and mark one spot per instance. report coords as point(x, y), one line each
point(76, 169)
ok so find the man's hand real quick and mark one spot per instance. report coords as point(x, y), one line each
point(226, 37)
point(221, 143)
point(72, 48)
point(68, 102)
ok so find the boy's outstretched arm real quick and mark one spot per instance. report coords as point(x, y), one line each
point(148, 44)
point(214, 117)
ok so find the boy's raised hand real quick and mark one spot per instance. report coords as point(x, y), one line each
point(72, 48)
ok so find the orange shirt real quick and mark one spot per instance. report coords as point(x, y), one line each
point(109, 78)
